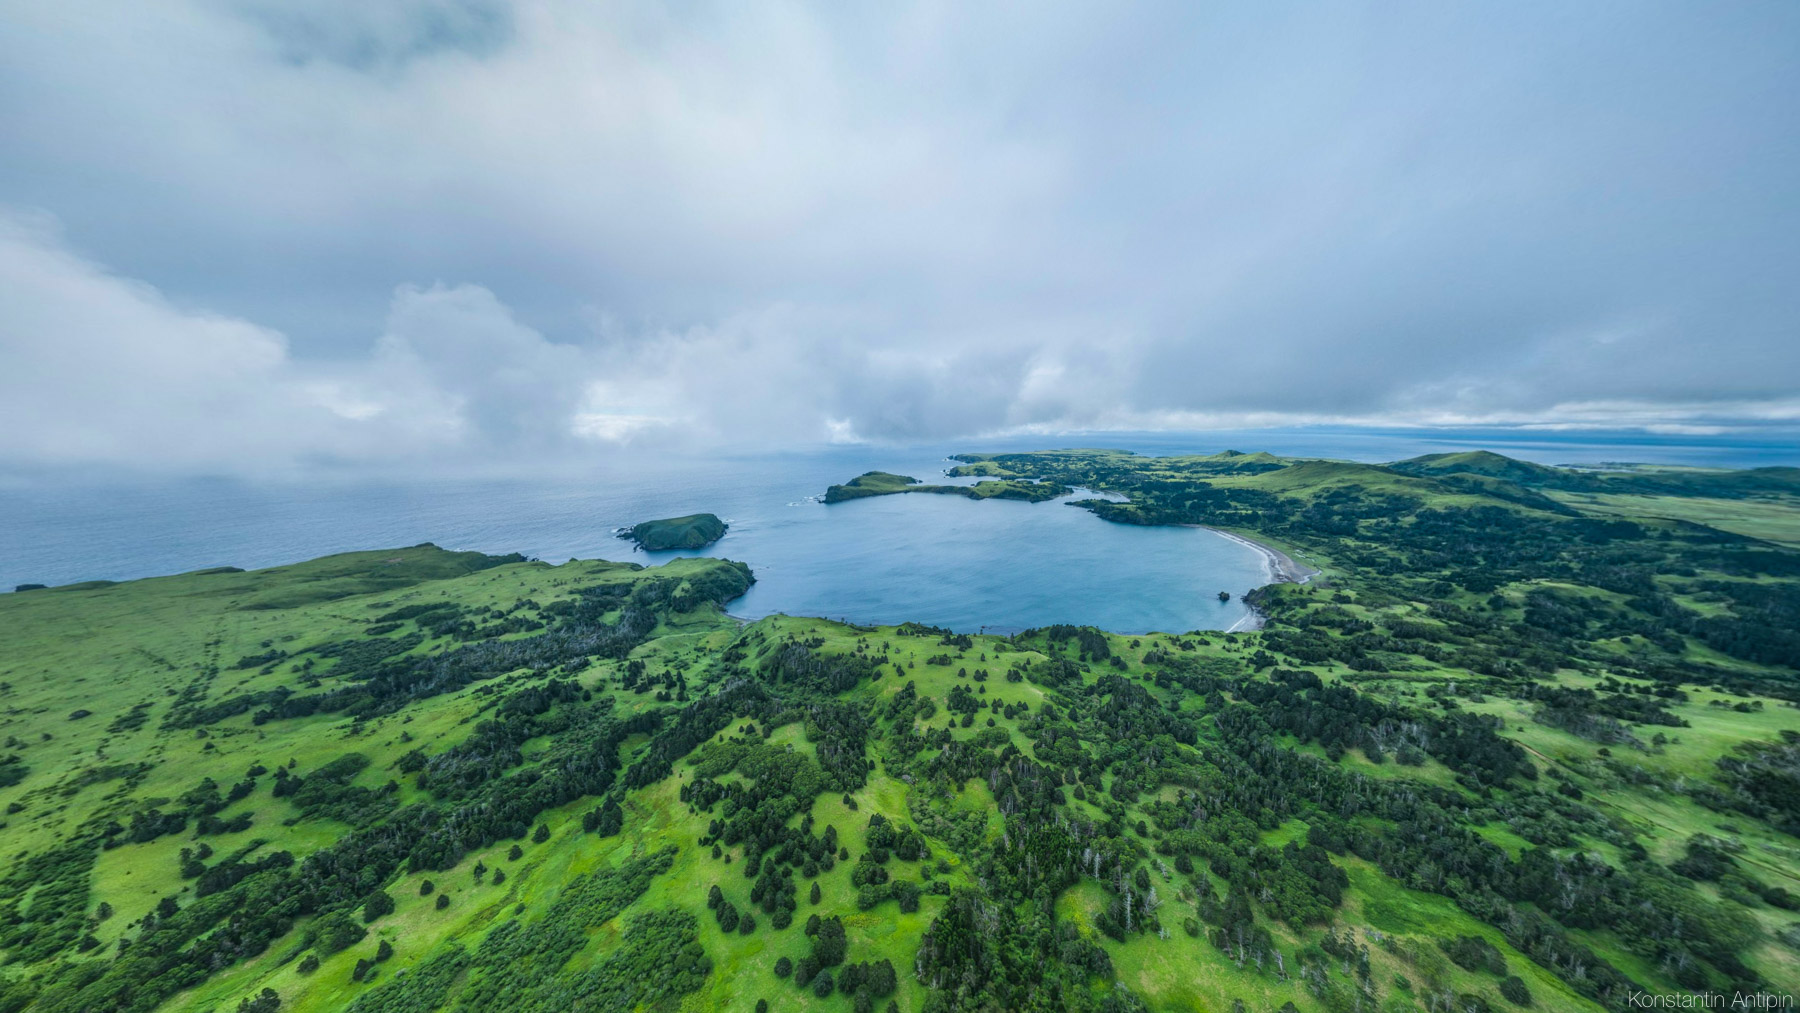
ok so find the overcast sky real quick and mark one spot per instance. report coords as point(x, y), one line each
point(237, 234)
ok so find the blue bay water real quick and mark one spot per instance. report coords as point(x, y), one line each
point(942, 560)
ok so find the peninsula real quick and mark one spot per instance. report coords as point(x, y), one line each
point(882, 483)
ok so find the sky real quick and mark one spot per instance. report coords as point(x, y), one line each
point(243, 236)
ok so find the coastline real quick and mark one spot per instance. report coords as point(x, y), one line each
point(1282, 569)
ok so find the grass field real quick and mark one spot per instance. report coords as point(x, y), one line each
point(1771, 518)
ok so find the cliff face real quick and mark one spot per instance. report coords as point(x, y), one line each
point(694, 531)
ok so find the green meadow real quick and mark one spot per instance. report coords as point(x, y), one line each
point(1774, 519)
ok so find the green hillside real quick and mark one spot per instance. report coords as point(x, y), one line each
point(1479, 462)
point(1500, 755)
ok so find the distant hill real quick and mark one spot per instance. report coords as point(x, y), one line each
point(695, 531)
point(1483, 462)
point(1239, 457)
point(1643, 480)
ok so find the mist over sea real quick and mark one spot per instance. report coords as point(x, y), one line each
point(936, 559)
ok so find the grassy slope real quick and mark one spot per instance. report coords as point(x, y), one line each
point(1175, 973)
point(1774, 518)
point(108, 649)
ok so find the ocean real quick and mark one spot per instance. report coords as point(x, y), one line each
point(942, 560)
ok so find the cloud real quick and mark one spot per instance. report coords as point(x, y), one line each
point(99, 369)
point(377, 37)
point(666, 226)
point(509, 386)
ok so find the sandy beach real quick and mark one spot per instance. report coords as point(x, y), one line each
point(1282, 568)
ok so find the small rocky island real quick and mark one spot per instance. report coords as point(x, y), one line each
point(695, 531)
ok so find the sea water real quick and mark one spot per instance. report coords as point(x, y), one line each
point(943, 560)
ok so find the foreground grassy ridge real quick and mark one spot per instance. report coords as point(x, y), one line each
point(92, 678)
point(1377, 802)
